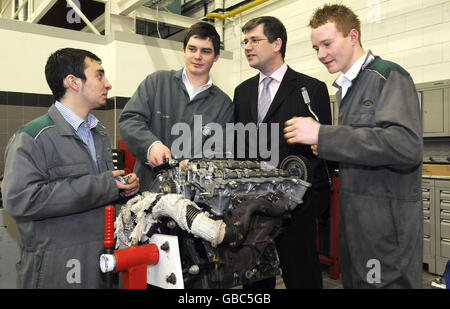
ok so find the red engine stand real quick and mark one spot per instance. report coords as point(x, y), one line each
point(333, 259)
point(133, 261)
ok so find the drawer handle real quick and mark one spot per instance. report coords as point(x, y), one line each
point(445, 221)
point(445, 240)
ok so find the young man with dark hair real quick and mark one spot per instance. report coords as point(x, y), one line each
point(203, 31)
point(59, 175)
point(264, 46)
point(168, 98)
point(64, 62)
point(378, 144)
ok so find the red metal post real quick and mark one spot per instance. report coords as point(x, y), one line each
point(333, 259)
point(334, 230)
point(129, 158)
point(108, 241)
point(133, 261)
point(109, 227)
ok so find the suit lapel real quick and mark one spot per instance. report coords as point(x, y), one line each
point(253, 96)
point(288, 84)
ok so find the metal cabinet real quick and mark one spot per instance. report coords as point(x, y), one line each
point(435, 107)
point(429, 237)
point(434, 99)
point(442, 215)
point(436, 213)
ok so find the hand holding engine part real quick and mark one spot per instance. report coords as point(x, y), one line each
point(303, 130)
point(128, 185)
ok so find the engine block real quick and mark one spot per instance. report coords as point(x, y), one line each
point(217, 183)
point(226, 214)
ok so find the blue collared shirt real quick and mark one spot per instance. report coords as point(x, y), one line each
point(82, 128)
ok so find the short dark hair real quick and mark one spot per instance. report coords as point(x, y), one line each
point(203, 30)
point(343, 17)
point(273, 29)
point(63, 62)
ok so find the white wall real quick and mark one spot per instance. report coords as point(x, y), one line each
point(127, 58)
point(413, 33)
point(23, 58)
point(133, 61)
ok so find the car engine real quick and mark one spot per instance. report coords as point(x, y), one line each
point(225, 213)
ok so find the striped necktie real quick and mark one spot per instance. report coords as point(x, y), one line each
point(264, 99)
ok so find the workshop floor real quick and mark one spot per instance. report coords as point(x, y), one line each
point(329, 283)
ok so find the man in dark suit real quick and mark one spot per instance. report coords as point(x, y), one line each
point(273, 97)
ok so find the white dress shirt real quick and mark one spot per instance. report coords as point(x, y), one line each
point(345, 79)
point(275, 84)
point(190, 88)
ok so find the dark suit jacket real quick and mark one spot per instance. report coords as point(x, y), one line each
point(297, 244)
point(287, 103)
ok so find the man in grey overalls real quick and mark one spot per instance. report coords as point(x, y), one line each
point(59, 175)
point(378, 144)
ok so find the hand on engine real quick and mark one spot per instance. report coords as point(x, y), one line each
point(183, 164)
point(158, 153)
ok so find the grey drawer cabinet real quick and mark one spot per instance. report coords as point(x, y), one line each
point(436, 198)
point(442, 188)
point(429, 233)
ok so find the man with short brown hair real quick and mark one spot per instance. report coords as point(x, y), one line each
point(272, 97)
point(378, 144)
point(167, 98)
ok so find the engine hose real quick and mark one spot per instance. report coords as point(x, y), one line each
point(191, 213)
point(189, 218)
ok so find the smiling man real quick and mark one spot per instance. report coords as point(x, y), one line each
point(378, 144)
point(272, 97)
point(59, 175)
point(168, 98)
